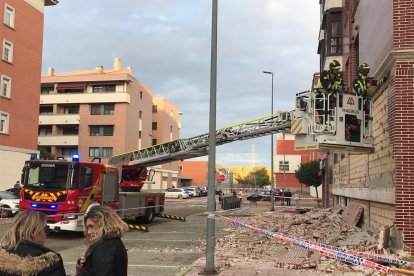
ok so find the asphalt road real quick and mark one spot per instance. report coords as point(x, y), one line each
point(65, 240)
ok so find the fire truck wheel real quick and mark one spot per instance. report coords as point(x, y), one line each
point(149, 215)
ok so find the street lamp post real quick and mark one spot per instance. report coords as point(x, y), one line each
point(272, 182)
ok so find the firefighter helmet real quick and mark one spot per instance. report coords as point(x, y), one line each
point(364, 68)
point(334, 65)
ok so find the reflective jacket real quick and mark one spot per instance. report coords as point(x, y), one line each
point(362, 85)
point(329, 82)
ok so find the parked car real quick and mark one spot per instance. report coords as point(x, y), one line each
point(192, 191)
point(176, 193)
point(15, 191)
point(203, 191)
point(262, 195)
point(10, 202)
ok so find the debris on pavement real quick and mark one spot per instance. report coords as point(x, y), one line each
point(332, 226)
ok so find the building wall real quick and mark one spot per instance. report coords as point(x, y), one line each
point(24, 71)
point(195, 170)
point(285, 151)
point(382, 182)
point(130, 97)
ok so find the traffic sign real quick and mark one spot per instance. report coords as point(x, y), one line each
point(222, 177)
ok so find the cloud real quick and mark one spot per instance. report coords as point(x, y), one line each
point(167, 44)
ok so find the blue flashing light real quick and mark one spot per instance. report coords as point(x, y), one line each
point(75, 157)
point(53, 206)
point(34, 205)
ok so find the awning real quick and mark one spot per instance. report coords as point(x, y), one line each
point(72, 85)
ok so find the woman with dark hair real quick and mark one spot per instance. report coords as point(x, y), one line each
point(22, 251)
point(106, 254)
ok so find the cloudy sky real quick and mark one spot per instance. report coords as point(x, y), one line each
point(167, 43)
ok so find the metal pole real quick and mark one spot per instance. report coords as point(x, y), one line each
point(211, 203)
point(272, 181)
point(284, 163)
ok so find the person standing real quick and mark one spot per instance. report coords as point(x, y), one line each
point(288, 196)
point(106, 254)
point(296, 198)
point(240, 196)
point(17, 184)
point(22, 248)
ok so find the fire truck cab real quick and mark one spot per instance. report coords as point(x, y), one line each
point(65, 190)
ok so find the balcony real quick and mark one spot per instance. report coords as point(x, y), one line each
point(329, 4)
point(72, 119)
point(58, 140)
point(85, 98)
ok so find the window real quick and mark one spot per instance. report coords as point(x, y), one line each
point(45, 130)
point(102, 109)
point(71, 109)
point(334, 33)
point(154, 126)
point(140, 114)
point(9, 16)
point(140, 134)
point(5, 86)
point(46, 90)
point(101, 130)
point(69, 151)
point(154, 108)
point(7, 51)
point(4, 122)
point(104, 88)
point(154, 142)
point(46, 110)
point(70, 130)
point(100, 152)
point(165, 178)
point(284, 167)
point(140, 94)
point(86, 178)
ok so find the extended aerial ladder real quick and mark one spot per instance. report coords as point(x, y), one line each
point(320, 123)
point(196, 146)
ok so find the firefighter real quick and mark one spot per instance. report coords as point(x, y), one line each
point(330, 80)
point(362, 84)
point(330, 83)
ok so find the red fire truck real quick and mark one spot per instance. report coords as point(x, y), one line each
point(66, 189)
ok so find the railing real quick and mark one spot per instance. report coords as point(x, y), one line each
point(198, 145)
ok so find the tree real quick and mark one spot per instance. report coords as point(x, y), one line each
point(308, 174)
point(258, 177)
point(45, 154)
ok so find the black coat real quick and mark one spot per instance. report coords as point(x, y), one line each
point(30, 258)
point(106, 257)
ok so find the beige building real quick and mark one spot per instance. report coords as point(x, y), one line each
point(21, 37)
point(104, 112)
point(166, 127)
point(96, 113)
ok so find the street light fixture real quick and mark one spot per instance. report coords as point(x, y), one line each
point(272, 182)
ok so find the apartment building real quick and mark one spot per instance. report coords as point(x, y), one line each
point(165, 127)
point(21, 36)
point(379, 32)
point(95, 113)
point(287, 161)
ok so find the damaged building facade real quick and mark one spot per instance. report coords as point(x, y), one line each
point(380, 33)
